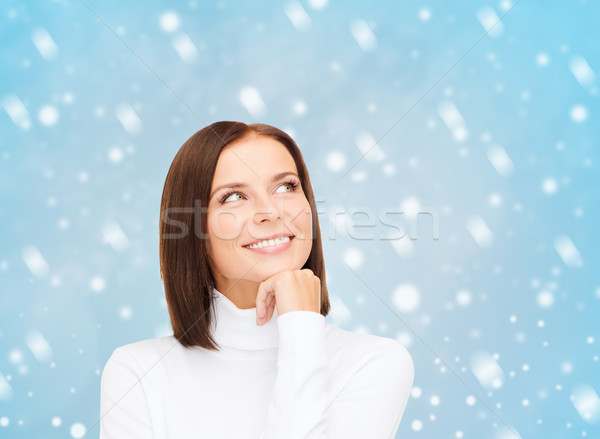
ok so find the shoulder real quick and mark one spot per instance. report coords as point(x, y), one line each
point(136, 355)
point(382, 354)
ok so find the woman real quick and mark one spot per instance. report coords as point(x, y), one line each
point(251, 354)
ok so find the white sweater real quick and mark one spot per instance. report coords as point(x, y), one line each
point(294, 377)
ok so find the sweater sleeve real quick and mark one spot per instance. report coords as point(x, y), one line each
point(370, 405)
point(123, 407)
point(298, 404)
point(373, 401)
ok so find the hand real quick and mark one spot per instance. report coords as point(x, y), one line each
point(292, 290)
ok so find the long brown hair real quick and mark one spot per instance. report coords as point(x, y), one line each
point(184, 267)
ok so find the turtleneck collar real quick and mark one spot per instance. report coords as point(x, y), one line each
point(235, 327)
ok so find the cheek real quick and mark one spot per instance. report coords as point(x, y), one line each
point(303, 217)
point(224, 225)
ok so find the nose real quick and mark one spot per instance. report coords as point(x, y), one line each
point(267, 209)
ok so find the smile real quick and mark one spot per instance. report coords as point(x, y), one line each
point(271, 246)
point(270, 243)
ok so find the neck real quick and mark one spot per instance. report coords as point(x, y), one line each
point(241, 292)
point(236, 328)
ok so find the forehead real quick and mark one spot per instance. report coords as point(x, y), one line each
point(248, 159)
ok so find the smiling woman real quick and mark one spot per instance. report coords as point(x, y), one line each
point(251, 355)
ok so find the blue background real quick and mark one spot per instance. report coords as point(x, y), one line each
point(80, 190)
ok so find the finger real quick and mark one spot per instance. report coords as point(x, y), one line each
point(271, 309)
point(265, 289)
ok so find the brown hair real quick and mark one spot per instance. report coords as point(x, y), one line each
point(184, 267)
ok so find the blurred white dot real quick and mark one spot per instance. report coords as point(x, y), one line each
point(525, 402)
point(56, 421)
point(63, 223)
point(416, 425)
point(425, 14)
point(4, 421)
point(353, 257)
point(335, 161)
point(115, 155)
point(460, 133)
point(15, 356)
point(470, 400)
point(458, 434)
point(590, 340)
point(540, 323)
point(495, 200)
point(299, 108)
point(434, 400)
point(416, 392)
point(48, 115)
point(83, 176)
point(77, 430)
point(549, 186)
point(404, 339)
point(525, 367)
point(463, 298)
point(496, 383)
point(317, 4)
point(169, 21)
point(411, 207)
point(413, 162)
point(406, 297)
point(97, 284)
point(545, 299)
point(579, 113)
point(125, 312)
point(542, 59)
point(389, 169)
point(68, 98)
point(566, 367)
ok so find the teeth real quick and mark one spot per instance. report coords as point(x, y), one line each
point(269, 243)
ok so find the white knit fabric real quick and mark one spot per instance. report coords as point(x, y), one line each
point(294, 377)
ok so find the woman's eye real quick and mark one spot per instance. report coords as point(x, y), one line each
point(227, 197)
point(287, 184)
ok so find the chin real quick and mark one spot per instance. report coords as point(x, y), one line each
point(275, 268)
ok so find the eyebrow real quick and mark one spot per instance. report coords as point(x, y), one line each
point(242, 185)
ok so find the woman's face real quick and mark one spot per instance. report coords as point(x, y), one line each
point(271, 202)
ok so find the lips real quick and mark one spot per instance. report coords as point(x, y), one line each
point(280, 235)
